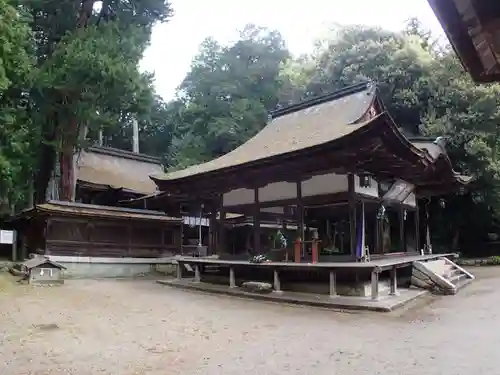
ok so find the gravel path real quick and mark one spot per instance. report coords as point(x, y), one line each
point(139, 327)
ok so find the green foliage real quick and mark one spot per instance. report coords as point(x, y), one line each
point(15, 127)
point(226, 95)
point(87, 71)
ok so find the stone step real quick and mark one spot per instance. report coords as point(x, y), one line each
point(440, 274)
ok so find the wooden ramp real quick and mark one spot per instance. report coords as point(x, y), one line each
point(441, 275)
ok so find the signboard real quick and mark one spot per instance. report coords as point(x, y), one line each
point(195, 221)
point(6, 237)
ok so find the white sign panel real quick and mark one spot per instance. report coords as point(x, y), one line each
point(6, 237)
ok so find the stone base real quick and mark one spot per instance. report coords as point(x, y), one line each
point(96, 267)
point(384, 304)
point(360, 289)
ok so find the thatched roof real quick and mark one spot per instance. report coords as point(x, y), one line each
point(118, 169)
point(93, 211)
point(473, 28)
point(347, 131)
point(331, 118)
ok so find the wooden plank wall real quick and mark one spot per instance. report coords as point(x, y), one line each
point(112, 238)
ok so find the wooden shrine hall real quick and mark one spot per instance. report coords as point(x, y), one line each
point(339, 157)
point(340, 180)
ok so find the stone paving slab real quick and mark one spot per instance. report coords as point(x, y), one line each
point(384, 304)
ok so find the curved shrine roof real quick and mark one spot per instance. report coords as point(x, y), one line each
point(295, 128)
point(348, 129)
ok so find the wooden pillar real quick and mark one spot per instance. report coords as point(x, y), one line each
point(417, 227)
point(352, 213)
point(14, 245)
point(197, 276)
point(212, 232)
point(314, 250)
point(222, 238)
point(179, 270)
point(428, 246)
point(333, 284)
point(232, 278)
point(283, 228)
point(394, 282)
point(300, 216)
point(402, 241)
point(297, 247)
point(256, 222)
point(129, 242)
point(375, 291)
point(277, 282)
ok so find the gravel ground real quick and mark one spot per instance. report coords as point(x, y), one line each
point(139, 327)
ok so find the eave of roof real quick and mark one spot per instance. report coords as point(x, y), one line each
point(88, 210)
point(469, 39)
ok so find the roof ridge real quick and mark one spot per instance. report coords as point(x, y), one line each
point(345, 91)
point(112, 151)
point(102, 207)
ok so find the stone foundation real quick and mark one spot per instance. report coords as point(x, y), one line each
point(96, 267)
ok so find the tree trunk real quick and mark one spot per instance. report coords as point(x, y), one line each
point(46, 161)
point(66, 163)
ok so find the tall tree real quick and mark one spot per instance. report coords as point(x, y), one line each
point(16, 133)
point(227, 94)
point(87, 56)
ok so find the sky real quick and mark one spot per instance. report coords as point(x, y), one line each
point(175, 43)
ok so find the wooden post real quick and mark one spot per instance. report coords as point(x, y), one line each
point(277, 283)
point(179, 270)
point(333, 284)
point(232, 278)
point(14, 246)
point(129, 242)
point(300, 216)
point(375, 291)
point(222, 238)
point(402, 242)
point(428, 246)
point(394, 282)
point(297, 249)
point(417, 228)
point(352, 213)
point(256, 222)
point(314, 247)
point(212, 233)
point(197, 276)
